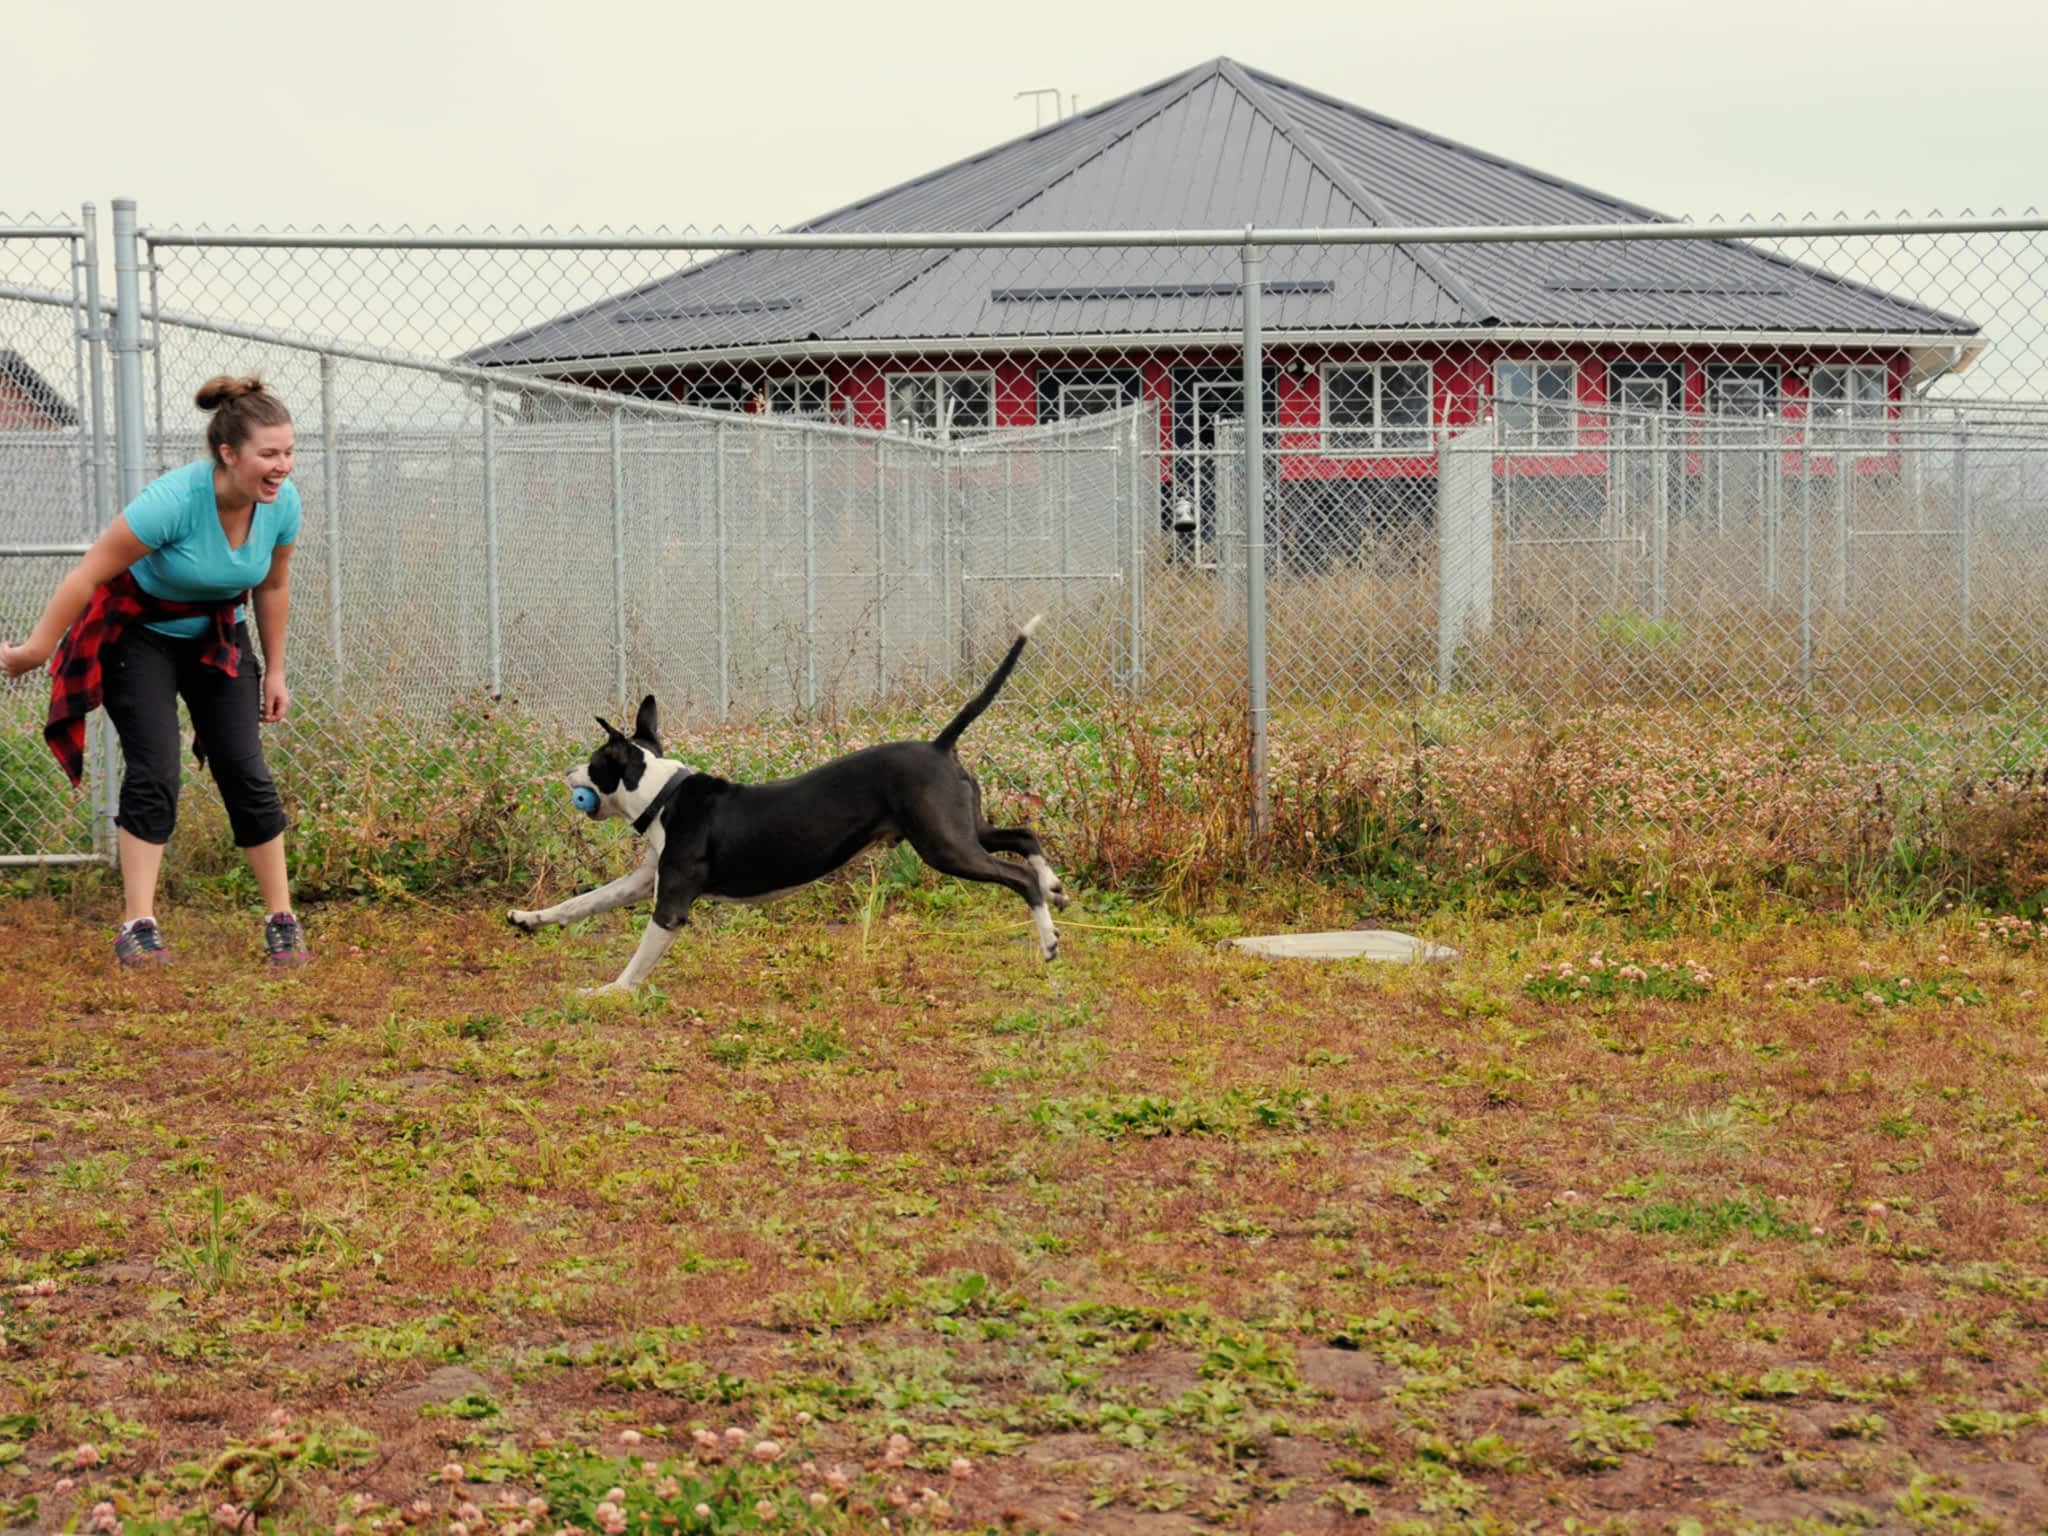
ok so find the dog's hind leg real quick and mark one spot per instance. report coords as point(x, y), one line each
point(620, 892)
point(950, 856)
point(1023, 842)
point(654, 944)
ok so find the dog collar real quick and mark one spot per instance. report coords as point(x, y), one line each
point(662, 796)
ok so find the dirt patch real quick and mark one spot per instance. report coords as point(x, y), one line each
point(1349, 1375)
point(902, 1187)
point(443, 1386)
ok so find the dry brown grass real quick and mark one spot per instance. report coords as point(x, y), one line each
point(1256, 1243)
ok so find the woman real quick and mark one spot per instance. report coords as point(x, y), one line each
point(152, 613)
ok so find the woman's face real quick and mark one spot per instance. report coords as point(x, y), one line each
point(257, 468)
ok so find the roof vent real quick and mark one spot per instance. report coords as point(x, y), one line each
point(1153, 291)
point(704, 311)
point(1666, 285)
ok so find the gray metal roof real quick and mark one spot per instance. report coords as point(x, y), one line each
point(35, 389)
point(1218, 146)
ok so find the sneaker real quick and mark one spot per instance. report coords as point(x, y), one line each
point(141, 943)
point(284, 940)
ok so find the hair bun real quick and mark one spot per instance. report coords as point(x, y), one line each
point(219, 390)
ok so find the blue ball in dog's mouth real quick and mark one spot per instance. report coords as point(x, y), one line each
point(585, 798)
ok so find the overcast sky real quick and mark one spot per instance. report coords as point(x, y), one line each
point(620, 113)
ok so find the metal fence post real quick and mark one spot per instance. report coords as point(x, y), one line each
point(130, 436)
point(850, 465)
point(155, 348)
point(618, 450)
point(1842, 529)
point(330, 480)
point(1134, 486)
point(1660, 520)
point(95, 356)
point(1772, 515)
point(718, 594)
point(947, 589)
point(1806, 557)
point(1962, 512)
point(81, 339)
point(493, 641)
point(1499, 483)
point(1064, 447)
point(881, 571)
point(1614, 517)
point(100, 514)
point(1255, 544)
point(810, 576)
point(129, 433)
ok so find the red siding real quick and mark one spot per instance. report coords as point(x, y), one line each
point(1461, 380)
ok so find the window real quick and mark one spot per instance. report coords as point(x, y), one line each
point(1742, 389)
point(941, 404)
point(1536, 404)
point(719, 395)
point(1077, 400)
point(1067, 393)
point(1376, 407)
point(808, 399)
point(1844, 401)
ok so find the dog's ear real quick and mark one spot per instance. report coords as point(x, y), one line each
point(610, 730)
point(647, 724)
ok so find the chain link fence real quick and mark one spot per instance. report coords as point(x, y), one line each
point(53, 499)
point(1501, 472)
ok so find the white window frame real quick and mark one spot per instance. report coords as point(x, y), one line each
point(1849, 416)
point(1349, 440)
point(796, 384)
point(1765, 373)
point(1094, 387)
point(945, 383)
point(727, 389)
point(1563, 435)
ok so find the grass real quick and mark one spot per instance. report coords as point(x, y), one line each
point(861, 1214)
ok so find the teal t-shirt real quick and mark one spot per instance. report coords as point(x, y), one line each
point(190, 561)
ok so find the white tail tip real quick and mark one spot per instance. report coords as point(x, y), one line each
point(1030, 626)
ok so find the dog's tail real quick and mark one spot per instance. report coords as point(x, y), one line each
point(959, 723)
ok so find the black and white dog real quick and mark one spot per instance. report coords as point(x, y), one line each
point(707, 837)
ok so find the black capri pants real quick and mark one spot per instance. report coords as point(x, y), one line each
point(146, 674)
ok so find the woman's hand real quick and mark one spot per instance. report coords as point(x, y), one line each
point(19, 660)
point(276, 697)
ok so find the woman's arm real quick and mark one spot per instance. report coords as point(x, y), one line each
point(272, 600)
point(111, 554)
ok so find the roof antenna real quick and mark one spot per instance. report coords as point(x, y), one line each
point(1038, 104)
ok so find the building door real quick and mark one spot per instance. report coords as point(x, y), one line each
point(1742, 399)
point(1645, 434)
point(1205, 399)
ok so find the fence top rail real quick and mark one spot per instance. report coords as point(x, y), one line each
point(602, 403)
point(40, 232)
point(1030, 341)
point(1101, 424)
point(987, 239)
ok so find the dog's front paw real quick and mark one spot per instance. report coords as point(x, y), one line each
point(525, 922)
point(1056, 893)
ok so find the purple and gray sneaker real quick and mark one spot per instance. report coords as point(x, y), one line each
point(284, 941)
point(141, 943)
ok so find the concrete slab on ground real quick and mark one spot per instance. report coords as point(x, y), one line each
point(1348, 944)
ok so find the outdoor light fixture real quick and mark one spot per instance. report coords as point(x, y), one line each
point(1183, 516)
